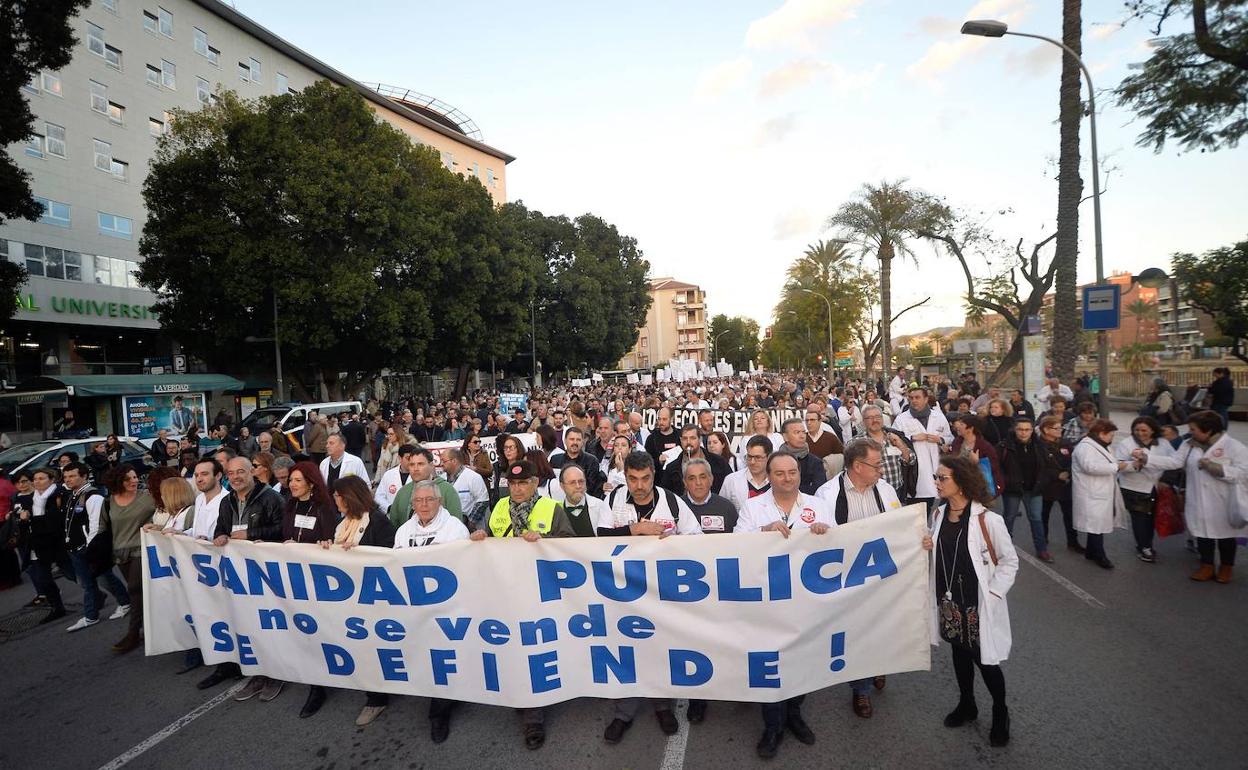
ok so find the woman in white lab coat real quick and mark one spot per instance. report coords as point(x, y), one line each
point(1216, 508)
point(973, 567)
point(1139, 483)
point(1098, 501)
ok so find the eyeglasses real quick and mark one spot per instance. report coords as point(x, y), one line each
point(941, 477)
point(755, 457)
point(871, 465)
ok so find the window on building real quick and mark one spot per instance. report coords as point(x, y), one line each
point(115, 226)
point(203, 49)
point(95, 39)
point(109, 5)
point(32, 86)
point(116, 112)
point(54, 212)
point(476, 169)
point(166, 22)
point(35, 146)
point(203, 91)
point(51, 83)
point(151, 22)
point(448, 160)
point(168, 74)
point(112, 56)
point(49, 262)
point(153, 75)
point(489, 178)
point(99, 97)
point(244, 72)
point(119, 169)
point(254, 66)
point(155, 127)
point(55, 139)
point(283, 85)
point(103, 155)
point(34, 259)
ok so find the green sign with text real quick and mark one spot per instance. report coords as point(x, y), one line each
point(87, 307)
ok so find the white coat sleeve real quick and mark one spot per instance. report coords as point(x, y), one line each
point(1089, 462)
point(1007, 558)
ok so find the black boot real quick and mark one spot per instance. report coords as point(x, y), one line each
point(769, 743)
point(316, 699)
point(965, 711)
point(999, 735)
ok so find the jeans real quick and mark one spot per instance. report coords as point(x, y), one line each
point(132, 569)
point(1068, 519)
point(1225, 413)
point(1032, 504)
point(91, 587)
point(626, 708)
point(41, 574)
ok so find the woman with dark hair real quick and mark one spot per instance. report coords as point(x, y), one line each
point(1096, 496)
point(970, 443)
point(1139, 483)
point(478, 460)
point(128, 510)
point(545, 474)
point(973, 567)
point(310, 515)
point(452, 431)
point(161, 515)
point(22, 500)
point(548, 440)
point(1216, 509)
point(510, 450)
point(998, 422)
point(717, 443)
point(262, 469)
point(363, 523)
point(112, 449)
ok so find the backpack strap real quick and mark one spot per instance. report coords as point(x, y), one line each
point(983, 528)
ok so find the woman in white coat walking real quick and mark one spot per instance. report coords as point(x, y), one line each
point(1216, 508)
point(973, 567)
point(1098, 501)
point(1139, 483)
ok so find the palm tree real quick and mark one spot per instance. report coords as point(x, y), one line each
point(1069, 193)
point(1143, 312)
point(879, 221)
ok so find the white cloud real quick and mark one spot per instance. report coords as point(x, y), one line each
point(1036, 60)
point(723, 77)
point(775, 130)
point(791, 25)
point(1102, 31)
point(945, 53)
point(796, 74)
point(798, 223)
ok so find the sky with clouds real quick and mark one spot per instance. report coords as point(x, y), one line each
point(722, 134)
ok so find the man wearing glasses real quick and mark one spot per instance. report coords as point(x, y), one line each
point(900, 462)
point(858, 493)
point(752, 480)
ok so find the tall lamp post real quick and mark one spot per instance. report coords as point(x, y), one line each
point(715, 345)
point(277, 351)
point(992, 28)
point(828, 302)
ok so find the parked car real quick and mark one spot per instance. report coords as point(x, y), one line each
point(291, 417)
point(40, 454)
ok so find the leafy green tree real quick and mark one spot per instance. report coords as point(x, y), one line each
point(735, 340)
point(879, 221)
point(375, 255)
point(12, 278)
point(1217, 283)
point(34, 36)
point(1193, 88)
point(591, 296)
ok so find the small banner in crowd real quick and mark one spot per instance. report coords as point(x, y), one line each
point(745, 617)
point(735, 423)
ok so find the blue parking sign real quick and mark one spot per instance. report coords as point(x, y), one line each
point(1102, 307)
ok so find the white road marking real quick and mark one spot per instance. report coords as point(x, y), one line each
point(173, 727)
point(1083, 595)
point(674, 754)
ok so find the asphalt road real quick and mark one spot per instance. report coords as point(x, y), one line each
point(1144, 668)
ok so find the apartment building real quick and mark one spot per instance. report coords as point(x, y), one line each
point(676, 326)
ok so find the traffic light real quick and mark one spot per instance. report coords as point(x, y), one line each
point(767, 333)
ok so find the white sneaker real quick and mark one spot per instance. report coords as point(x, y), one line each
point(81, 624)
point(121, 611)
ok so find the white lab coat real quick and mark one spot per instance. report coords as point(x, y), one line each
point(390, 484)
point(1098, 504)
point(1207, 509)
point(1145, 479)
point(851, 422)
point(736, 488)
point(994, 582)
point(351, 466)
point(763, 510)
point(927, 452)
point(1045, 393)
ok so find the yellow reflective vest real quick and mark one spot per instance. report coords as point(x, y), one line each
point(540, 518)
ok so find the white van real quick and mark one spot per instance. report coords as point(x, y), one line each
point(291, 417)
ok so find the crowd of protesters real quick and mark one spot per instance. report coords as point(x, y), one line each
point(651, 460)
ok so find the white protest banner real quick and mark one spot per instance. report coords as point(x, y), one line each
point(734, 423)
point(489, 445)
point(744, 617)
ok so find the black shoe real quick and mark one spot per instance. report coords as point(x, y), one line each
point(216, 678)
point(1103, 562)
point(56, 614)
point(667, 722)
point(800, 729)
point(439, 729)
point(769, 743)
point(697, 711)
point(999, 735)
point(534, 736)
point(1074, 546)
point(615, 731)
point(963, 713)
point(316, 699)
point(38, 601)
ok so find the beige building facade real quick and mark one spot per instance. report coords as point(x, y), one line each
point(676, 326)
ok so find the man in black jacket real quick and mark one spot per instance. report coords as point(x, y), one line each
point(691, 448)
point(353, 432)
point(662, 438)
point(1025, 469)
point(793, 430)
point(574, 454)
point(249, 511)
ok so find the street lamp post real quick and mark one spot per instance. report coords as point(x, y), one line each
point(277, 351)
point(828, 302)
point(991, 28)
point(715, 345)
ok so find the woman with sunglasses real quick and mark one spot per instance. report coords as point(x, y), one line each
point(478, 460)
point(973, 567)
